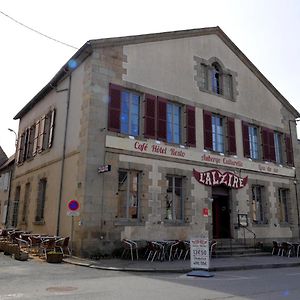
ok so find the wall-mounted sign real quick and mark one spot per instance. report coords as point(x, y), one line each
point(190, 154)
point(215, 177)
point(243, 220)
point(104, 168)
point(205, 212)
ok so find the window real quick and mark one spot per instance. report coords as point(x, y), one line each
point(128, 192)
point(217, 134)
point(216, 79)
point(37, 138)
point(174, 199)
point(203, 81)
point(123, 110)
point(283, 205)
point(216, 128)
point(278, 147)
point(16, 207)
point(25, 204)
point(41, 200)
point(130, 103)
point(257, 205)
point(253, 142)
point(173, 123)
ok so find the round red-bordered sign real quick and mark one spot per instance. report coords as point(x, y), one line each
point(73, 205)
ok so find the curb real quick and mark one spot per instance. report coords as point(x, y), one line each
point(153, 270)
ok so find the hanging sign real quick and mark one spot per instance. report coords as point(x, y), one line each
point(205, 212)
point(215, 177)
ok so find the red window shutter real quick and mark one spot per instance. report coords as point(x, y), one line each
point(272, 146)
point(149, 118)
point(246, 144)
point(231, 136)
point(161, 119)
point(265, 143)
point(191, 126)
point(114, 107)
point(289, 150)
point(207, 125)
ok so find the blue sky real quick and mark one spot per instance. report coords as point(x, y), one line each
point(266, 31)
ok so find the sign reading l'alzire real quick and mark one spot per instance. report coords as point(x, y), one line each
point(215, 177)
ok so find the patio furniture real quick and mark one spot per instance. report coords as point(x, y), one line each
point(46, 246)
point(34, 242)
point(155, 250)
point(276, 248)
point(130, 247)
point(63, 245)
point(286, 249)
point(212, 248)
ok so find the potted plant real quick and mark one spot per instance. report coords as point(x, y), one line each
point(54, 257)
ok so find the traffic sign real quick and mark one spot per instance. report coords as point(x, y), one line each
point(73, 213)
point(73, 205)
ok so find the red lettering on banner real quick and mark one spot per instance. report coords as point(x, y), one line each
point(215, 177)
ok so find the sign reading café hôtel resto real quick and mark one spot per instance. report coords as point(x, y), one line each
point(162, 150)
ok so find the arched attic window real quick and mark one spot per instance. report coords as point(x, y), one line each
point(216, 78)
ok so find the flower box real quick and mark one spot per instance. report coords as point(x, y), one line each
point(54, 257)
point(21, 255)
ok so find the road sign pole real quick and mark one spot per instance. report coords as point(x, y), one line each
point(72, 229)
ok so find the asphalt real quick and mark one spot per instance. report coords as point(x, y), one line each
point(183, 266)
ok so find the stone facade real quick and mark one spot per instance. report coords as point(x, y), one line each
point(167, 66)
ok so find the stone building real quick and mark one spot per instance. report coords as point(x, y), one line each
point(6, 172)
point(158, 136)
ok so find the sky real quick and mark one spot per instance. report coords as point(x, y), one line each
point(266, 31)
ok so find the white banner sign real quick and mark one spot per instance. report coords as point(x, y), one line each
point(199, 253)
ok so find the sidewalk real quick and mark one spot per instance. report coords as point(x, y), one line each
point(180, 266)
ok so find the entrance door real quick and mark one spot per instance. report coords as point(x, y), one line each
point(221, 216)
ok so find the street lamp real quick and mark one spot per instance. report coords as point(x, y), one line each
point(16, 136)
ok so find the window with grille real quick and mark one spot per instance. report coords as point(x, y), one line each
point(174, 199)
point(128, 194)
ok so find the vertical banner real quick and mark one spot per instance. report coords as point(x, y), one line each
point(200, 253)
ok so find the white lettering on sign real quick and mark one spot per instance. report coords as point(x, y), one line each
point(193, 155)
point(199, 248)
point(215, 177)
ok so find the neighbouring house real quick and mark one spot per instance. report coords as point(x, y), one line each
point(157, 136)
point(6, 171)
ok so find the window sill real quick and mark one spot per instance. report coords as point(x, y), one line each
point(174, 223)
point(42, 222)
point(129, 223)
point(254, 224)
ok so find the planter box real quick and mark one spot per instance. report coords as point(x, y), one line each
point(54, 257)
point(21, 255)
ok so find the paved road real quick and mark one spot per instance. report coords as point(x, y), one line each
point(39, 280)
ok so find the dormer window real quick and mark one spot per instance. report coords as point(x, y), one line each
point(214, 78)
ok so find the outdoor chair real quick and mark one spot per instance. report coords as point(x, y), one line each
point(34, 242)
point(296, 247)
point(155, 250)
point(212, 249)
point(179, 249)
point(286, 249)
point(63, 245)
point(46, 246)
point(23, 244)
point(276, 248)
point(130, 247)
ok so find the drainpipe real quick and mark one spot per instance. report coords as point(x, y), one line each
point(295, 176)
point(63, 155)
